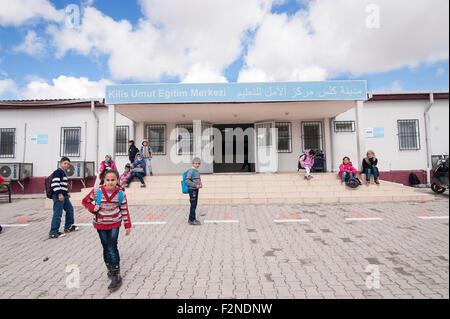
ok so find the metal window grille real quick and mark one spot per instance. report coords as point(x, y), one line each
point(122, 133)
point(185, 139)
point(312, 136)
point(70, 141)
point(284, 137)
point(344, 126)
point(408, 134)
point(156, 137)
point(7, 142)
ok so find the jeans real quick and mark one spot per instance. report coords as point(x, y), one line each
point(148, 163)
point(58, 207)
point(374, 171)
point(345, 174)
point(193, 197)
point(138, 175)
point(109, 242)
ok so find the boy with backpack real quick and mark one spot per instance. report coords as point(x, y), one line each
point(194, 183)
point(60, 196)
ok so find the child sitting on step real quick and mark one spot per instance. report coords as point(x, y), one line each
point(307, 162)
point(346, 170)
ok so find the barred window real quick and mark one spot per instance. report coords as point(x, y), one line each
point(284, 137)
point(185, 139)
point(344, 126)
point(7, 142)
point(408, 134)
point(70, 141)
point(156, 137)
point(312, 136)
point(122, 133)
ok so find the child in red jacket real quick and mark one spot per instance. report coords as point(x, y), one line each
point(110, 209)
point(346, 169)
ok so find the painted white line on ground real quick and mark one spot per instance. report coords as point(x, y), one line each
point(361, 218)
point(15, 225)
point(84, 224)
point(433, 217)
point(221, 221)
point(291, 220)
point(149, 223)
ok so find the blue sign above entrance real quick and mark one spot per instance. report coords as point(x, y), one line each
point(236, 92)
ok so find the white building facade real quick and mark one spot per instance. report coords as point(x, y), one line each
point(280, 122)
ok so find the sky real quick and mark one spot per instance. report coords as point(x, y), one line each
point(73, 49)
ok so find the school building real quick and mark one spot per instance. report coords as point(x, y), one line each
point(278, 121)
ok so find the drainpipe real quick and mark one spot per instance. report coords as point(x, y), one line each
point(97, 132)
point(428, 136)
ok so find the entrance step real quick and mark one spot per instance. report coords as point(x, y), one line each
point(279, 188)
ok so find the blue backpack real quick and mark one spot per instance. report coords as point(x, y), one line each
point(99, 197)
point(184, 186)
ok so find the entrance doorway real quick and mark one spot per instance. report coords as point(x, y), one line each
point(234, 157)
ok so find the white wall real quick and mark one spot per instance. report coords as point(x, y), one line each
point(49, 121)
point(439, 127)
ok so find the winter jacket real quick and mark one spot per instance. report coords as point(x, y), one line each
point(110, 215)
point(344, 168)
point(368, 162)
point(193, 178)
point(149, 150)
point(60, 182)
point(124, 177)
point(140, 163)
point(103, 167)
point(132, 151)
point(306, 161)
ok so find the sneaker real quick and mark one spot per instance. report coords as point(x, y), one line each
point(71, 229)
point(310, 177)
point(367, 182)
point(57, 235)
point(151, 173)
point(143, 185)
point(377, 182)
point(195, 222)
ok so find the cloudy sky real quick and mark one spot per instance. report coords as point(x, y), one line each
point(73, 49)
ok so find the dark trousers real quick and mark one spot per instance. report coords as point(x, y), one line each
point(109, 242)
point(193, 197)
point(138, 175)
point(58, 207)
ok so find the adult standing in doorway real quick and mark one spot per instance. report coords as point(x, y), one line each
point(132, 151)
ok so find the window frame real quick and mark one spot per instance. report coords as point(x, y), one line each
point(164, 140)
point(125, 153)
point(400, 136)
point(289, 138)
point(302, 124)
point(62, 142)
point(13, 130)
point(344, 131)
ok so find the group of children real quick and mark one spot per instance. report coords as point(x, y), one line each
point(346, 169)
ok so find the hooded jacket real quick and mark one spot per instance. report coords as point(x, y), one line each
point(306, 161)
point(344, 168)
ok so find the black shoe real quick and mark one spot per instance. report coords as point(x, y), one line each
point(57, 235)
point(116, 281)
point(143, 185)
point(151, 173)
point(195, 222)
point(71, 229)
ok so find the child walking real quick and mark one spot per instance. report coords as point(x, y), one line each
point(307, 162)
point(109, 205)
point(194, 182)
point(346, 169)
point(369, 165)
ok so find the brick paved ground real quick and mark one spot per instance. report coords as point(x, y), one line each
point(254, 258)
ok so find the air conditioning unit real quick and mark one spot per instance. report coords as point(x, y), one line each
point(80, 170)
point(16, 171)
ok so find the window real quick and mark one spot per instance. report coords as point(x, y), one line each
point(344, 126)
point(156, 137)
point(122, 140)
point(284, 137)
point(185, 140)
point(408, 134)
point(7, 142)
point(312, 136)
point(70, 141)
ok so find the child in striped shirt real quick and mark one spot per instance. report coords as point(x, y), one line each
point(108, 203)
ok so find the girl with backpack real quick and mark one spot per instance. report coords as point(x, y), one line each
point(346, 170)
point(307, 162)
point(108, 203)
